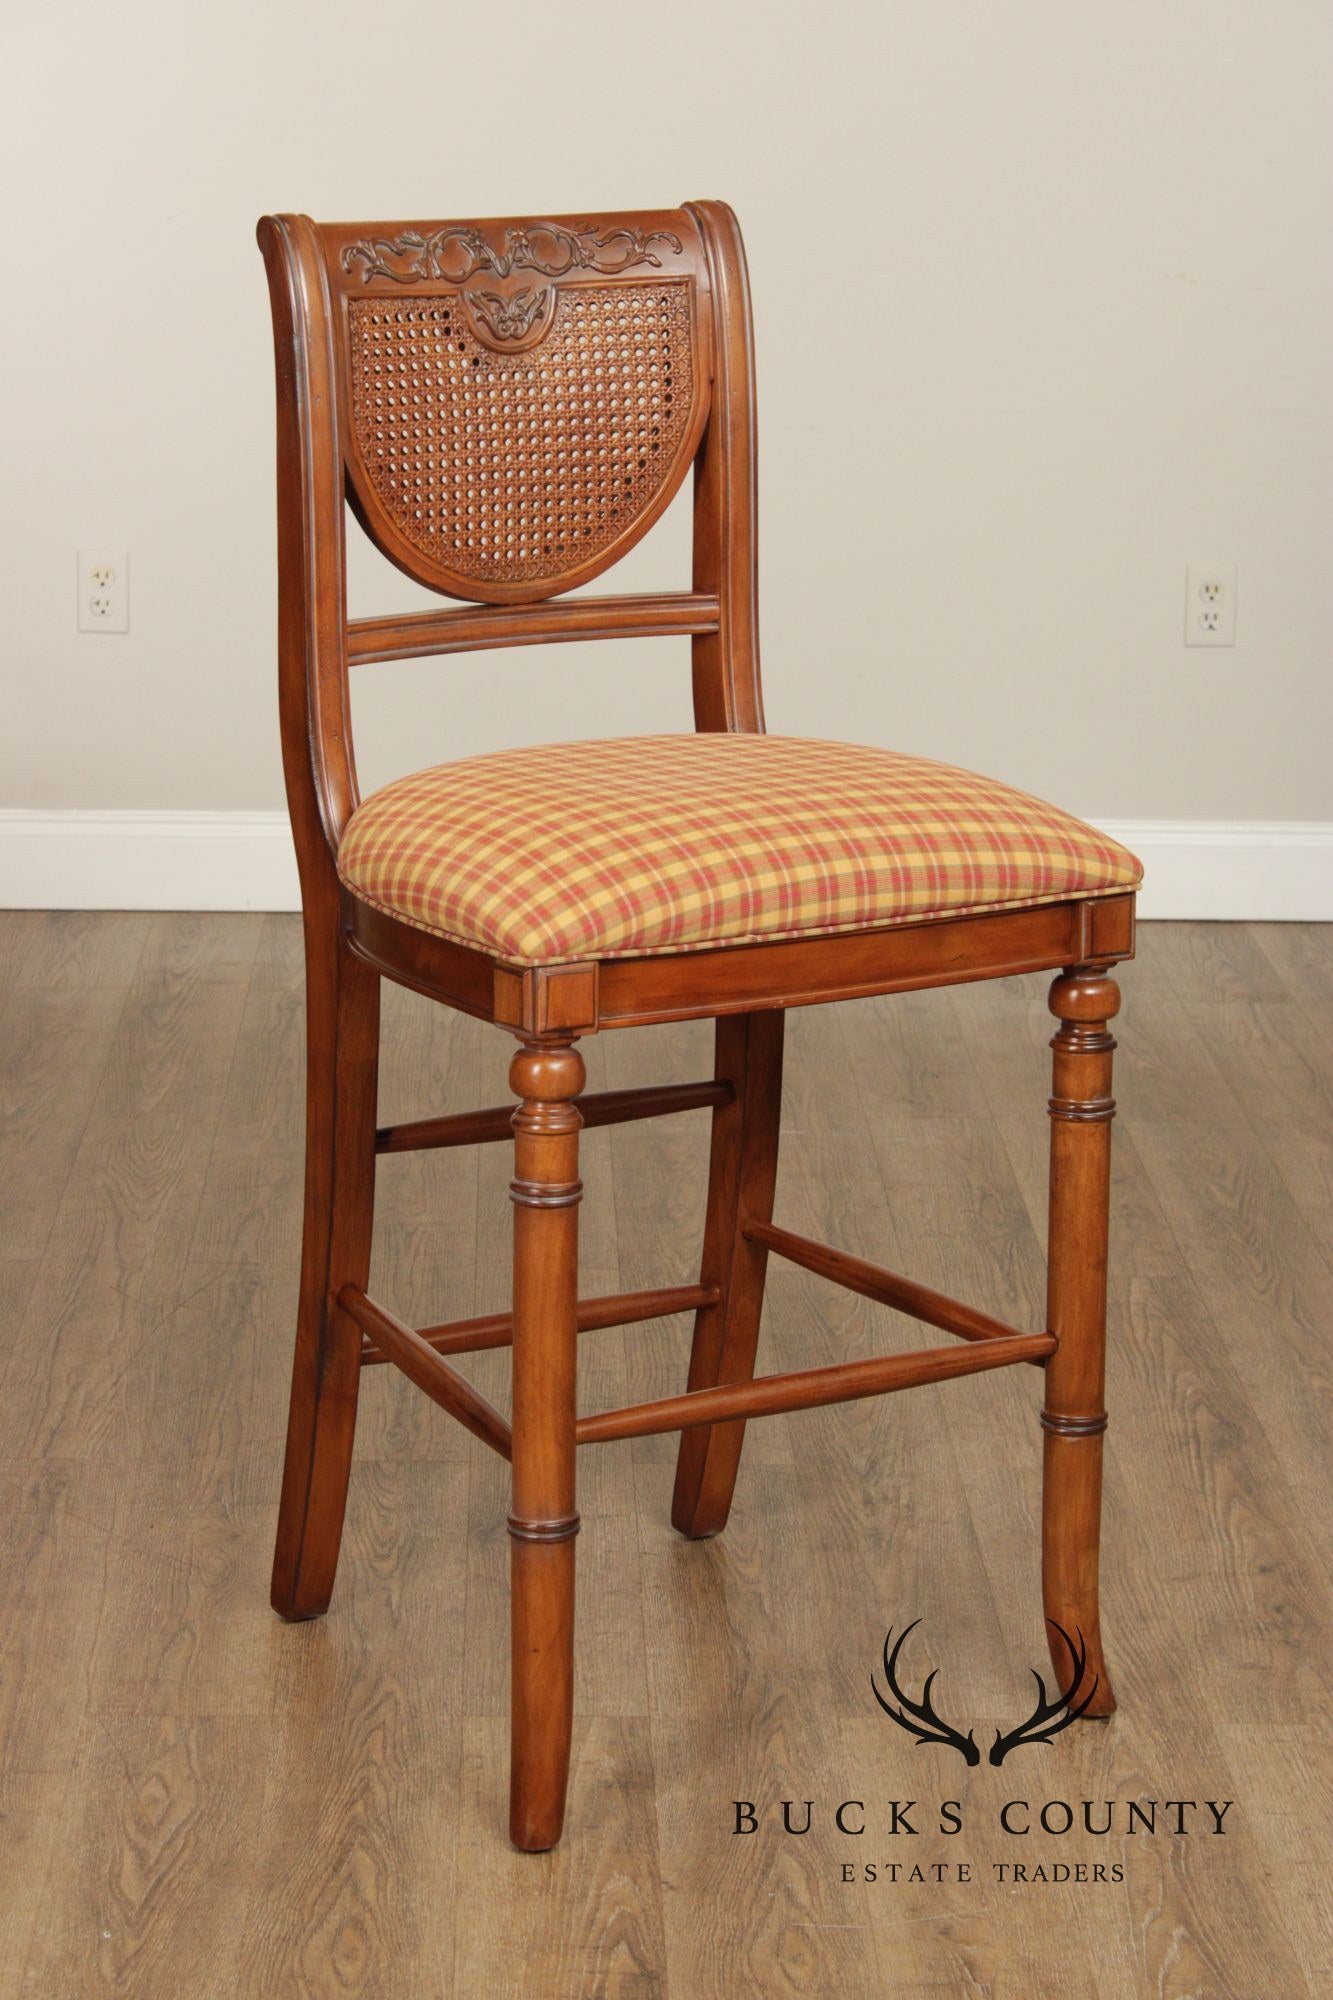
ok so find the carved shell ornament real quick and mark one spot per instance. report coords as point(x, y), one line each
point(513, 318)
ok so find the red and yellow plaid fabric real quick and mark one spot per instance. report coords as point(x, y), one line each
point(638, 846)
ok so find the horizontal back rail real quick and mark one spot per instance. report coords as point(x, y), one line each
point(476, 628)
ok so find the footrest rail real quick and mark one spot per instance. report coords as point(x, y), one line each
point(887, 1288)
point(600, 1107)
point(771, 1395)
point(470, 1336)
point(421, 1364)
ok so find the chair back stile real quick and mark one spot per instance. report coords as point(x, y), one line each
point(313, 699)
point(508, 406)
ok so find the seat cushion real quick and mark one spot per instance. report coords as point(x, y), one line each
point(644, 845)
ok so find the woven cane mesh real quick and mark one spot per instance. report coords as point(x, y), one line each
point(514, 467)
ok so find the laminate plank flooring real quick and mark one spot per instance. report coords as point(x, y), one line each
point(196, 1800)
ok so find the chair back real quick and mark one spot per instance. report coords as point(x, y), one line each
point(507, 406)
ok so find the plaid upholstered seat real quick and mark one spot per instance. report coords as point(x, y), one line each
point(640, 846)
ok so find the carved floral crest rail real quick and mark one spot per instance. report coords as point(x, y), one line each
point(454, 254)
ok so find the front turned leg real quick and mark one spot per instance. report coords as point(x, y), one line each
point(543, 1523)
point(1074, 1416)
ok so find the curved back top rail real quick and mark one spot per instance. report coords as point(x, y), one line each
point(520, 399)
point(507, 406)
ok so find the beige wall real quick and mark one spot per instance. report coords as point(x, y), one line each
point(1042, 301)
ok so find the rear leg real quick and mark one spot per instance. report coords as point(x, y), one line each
point(741, 1179)
point(343, 1004)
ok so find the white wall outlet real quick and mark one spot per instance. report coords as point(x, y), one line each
point(104, 590)
point(1210, 605)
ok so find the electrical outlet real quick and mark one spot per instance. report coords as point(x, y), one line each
point(104, 590)
point(1210, 605)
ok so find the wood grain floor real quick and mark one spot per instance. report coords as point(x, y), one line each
point(198, 1801)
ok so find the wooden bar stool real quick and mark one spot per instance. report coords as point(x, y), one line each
point(508, 406)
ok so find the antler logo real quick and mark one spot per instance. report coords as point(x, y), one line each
point(1047, 1719)
point(918, 1718)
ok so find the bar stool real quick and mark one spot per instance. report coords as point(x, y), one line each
point(508, 406)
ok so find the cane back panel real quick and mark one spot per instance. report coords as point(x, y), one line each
point(521, 399)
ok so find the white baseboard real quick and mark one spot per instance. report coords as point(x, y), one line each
point(147, 861)
point(1233, 870)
